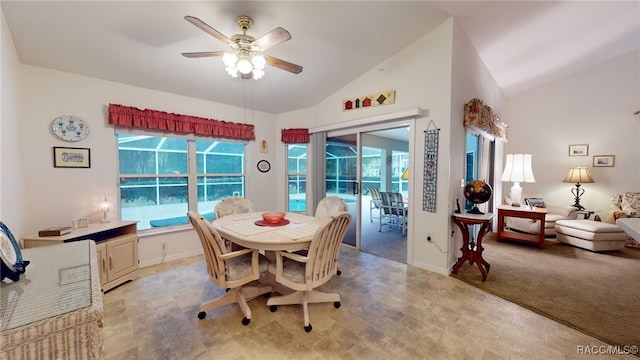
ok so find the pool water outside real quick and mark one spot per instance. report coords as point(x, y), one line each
point(154, 220)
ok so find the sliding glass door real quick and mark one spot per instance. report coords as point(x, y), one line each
point(358, 164)
point(342, 180)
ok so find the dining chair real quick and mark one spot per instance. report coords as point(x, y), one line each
point(394, 211)
point(229, 270)
point(330, 206)
point(304, 274)
point(375, 203)
point(233, 205)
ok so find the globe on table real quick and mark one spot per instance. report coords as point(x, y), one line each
point(477, 192)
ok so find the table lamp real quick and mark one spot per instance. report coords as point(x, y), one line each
point(578, 175)
point(405, 175)
point(105, 207)
point(517, 169)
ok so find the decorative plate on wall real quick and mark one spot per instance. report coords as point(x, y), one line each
point(11, 262)
point(70, 128)
point(264, 166)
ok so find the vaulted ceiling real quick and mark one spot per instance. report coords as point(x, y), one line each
point(523, 44)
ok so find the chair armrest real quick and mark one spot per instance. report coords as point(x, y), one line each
point(566, 211)
point(237, 253)
point(615, 213)
point(293, 256)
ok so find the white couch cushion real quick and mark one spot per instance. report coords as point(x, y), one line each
point(554, 213)
point(590, 230)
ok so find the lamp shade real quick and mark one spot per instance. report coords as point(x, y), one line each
point(405, 175)
point(518, 168)
point(578, 175)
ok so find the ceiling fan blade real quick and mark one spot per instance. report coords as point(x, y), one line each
point(202, 54)
point(284, 65)
point(272, 38)
point(208, 29)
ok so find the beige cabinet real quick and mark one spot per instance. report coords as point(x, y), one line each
point(116, 249)
point(118, 260)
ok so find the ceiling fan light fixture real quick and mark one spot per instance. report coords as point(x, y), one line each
point(232, 70)
point(244, 62)
point(229, 59)
point(258, 73)
point(246, 57)
point(244, 65)
point(258, 61)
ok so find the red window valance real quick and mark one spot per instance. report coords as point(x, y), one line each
point(295, 135)
point(159, 120)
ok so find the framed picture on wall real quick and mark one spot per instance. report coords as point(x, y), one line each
point(604, 160)
point(68, 157)
point(579, 150)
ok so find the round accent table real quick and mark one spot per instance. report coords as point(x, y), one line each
point(472, 248)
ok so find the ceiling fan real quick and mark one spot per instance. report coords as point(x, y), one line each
point(246, 58)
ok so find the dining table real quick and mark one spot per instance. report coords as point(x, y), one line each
point(248, 230)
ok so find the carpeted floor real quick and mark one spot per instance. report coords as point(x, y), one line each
point(596, 293)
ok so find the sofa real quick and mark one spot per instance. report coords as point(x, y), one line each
point(602, 235)
point(591, 235)
point(554, 213)
point(624, 205)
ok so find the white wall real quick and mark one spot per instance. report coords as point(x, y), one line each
point(56, 195)
point(421, 74)
point(593, 107)
point(11, 160)
point(439, 73)
point(470, 79)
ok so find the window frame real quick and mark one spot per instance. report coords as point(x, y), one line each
point(192, 175)
point(288, 174)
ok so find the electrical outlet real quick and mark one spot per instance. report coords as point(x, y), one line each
point(462, 183)
point(429, 237)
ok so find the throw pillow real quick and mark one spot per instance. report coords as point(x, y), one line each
point(630, 204)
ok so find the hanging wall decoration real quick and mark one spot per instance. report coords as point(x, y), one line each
point(430, 167)
point(381, 98)
point(482, 117)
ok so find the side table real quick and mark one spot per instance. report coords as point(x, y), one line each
point(472, 249)
point(526, 212)
point(587, 213)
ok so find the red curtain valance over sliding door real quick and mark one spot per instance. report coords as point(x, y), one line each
point(159, 120)
point(295, 135)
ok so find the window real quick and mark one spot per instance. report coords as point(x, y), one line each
point(161, 178)
point(399, 163)
point(371, 165)
point(480, 150)
point(297, 177)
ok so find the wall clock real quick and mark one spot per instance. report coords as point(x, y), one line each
point(11, 262)
point(264, 166)
point(70, 128)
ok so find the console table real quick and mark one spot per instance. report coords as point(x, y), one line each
point(55, 310)
point(117, 249)
point(534, 213)
point(472, 249)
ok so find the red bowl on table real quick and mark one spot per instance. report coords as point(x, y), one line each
point(273, 217)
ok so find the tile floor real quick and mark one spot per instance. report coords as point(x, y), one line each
point(389, 311)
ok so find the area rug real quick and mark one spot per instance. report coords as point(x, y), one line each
point(596, 293)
